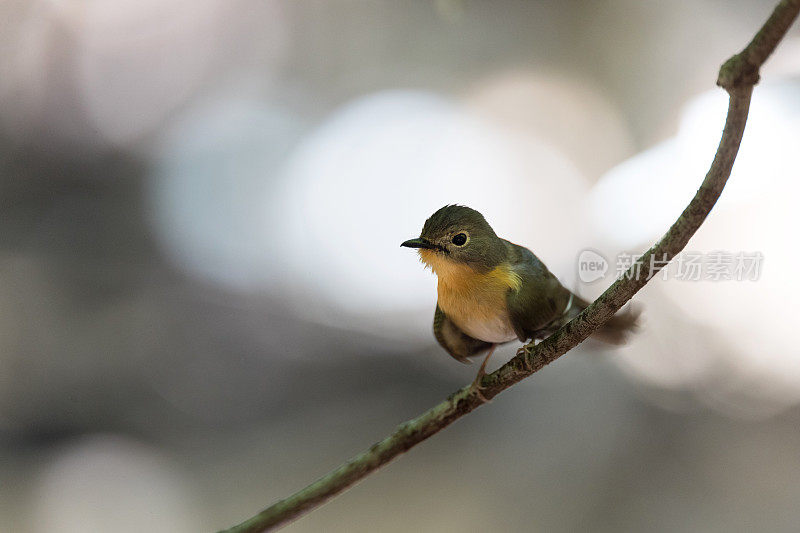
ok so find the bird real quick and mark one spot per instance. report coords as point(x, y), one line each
point(492, 291)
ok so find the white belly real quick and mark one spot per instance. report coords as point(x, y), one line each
point(484, 320)
point(497, 330)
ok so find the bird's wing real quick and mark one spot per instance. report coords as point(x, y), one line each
point(541, 300)
point(457, 343)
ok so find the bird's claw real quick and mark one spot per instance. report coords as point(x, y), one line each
point(526, 358)
point(478, 388)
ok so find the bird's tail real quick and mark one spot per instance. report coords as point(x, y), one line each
point(615, 331)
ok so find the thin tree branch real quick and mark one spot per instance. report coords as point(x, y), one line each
point(738, 76)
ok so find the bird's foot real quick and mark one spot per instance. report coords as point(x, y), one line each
point(478, 388)
point(526, 358)
point(476, 385)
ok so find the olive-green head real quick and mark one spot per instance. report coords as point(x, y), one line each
point(459, 234)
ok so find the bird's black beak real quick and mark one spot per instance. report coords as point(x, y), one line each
point(419, 243)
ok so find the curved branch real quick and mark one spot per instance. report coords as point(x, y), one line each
point(738, 76)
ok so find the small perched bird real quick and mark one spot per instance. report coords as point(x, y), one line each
point(492, 291)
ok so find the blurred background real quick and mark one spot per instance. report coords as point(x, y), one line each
point(204, 305)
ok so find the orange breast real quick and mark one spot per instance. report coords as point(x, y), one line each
point(476, 302)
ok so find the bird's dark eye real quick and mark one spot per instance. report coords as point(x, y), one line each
point(459, 240)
